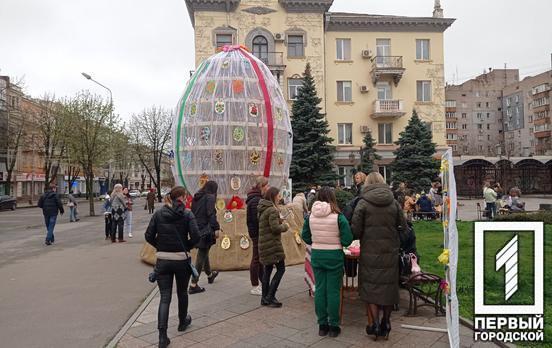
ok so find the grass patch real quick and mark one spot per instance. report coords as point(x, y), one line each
point(429, 242)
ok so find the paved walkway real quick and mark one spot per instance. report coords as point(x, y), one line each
point(467, 208)
point(227, 316)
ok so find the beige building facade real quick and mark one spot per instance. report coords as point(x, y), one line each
point(371, 71)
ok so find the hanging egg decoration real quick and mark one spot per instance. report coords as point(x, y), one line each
point(232, 124)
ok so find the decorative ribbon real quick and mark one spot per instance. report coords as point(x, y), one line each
point(444, 257)
point(230, 48)
point(268, 107)
point(201, 68)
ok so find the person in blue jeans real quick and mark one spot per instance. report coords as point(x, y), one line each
point(51, 205)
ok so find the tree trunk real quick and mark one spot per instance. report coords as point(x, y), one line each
point(158, 185)
point(8, 183)
point(90, 189)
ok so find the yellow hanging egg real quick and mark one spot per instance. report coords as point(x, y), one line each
point(225, 243)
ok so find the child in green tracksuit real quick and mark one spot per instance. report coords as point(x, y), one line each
point(328, 231)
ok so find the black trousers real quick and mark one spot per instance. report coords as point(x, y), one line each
point(167, 270)
point(255, 268)
point(202, 263)
point(117, 225)
point(108, 227)
point(271, 286)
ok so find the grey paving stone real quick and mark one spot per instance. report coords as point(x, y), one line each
point(263, 340)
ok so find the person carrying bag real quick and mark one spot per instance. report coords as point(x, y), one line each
point(173, 232)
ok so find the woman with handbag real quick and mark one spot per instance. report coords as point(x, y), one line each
point(203, 207)
point(173, 232)
point(72, 204)
point(118, 213)
point(377, 222)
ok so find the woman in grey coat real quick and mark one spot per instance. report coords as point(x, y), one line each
point(377, 222)
point(118, 213)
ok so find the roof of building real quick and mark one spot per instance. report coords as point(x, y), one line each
point(344, 21)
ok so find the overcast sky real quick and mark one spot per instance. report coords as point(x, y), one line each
point(143, 50)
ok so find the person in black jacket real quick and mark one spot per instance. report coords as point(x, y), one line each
point(252, 201)
point(50, 204)
point(203, 207)
point(173, 232)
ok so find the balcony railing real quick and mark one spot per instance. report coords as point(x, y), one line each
point(387, 66)
point(271, 59)
point(388, 108)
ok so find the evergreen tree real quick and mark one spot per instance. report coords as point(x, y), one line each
point(414, 163)
point(368, 155)
point(312, 161)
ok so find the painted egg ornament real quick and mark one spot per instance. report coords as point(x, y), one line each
point(244, 242)
point(235, 183)
point(220, 204)
point(225, 243)
point(228, 216)
point(246, 134)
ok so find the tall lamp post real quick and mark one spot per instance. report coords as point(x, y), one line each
point(88, 77)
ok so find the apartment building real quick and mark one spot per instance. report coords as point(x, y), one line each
point(371, 71)
point(473, 113)
point(527, 127)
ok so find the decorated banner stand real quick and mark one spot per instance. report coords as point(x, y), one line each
point(233, 125)
point(449, 256)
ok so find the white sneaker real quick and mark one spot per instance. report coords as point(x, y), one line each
point(257, 291)
point(130, 235)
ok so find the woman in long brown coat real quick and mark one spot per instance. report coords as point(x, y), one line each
point(376, 222)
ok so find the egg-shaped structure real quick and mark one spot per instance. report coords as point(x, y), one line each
point(232, 125)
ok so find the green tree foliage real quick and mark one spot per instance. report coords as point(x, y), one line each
point(414, 163)
point(368, 154)
point(312, 161)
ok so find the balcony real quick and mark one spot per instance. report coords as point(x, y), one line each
point(274, 60)
point(387, 66)
point(542, 131)
point(388, 108)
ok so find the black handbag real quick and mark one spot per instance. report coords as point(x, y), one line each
point(405, 263)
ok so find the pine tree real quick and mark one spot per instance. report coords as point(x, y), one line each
point(312, 161)
point(414, 163)
point(368, 155)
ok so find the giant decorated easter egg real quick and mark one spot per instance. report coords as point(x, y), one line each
point(232, 124)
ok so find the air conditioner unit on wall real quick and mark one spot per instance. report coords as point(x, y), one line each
point(364, 129)
point(366, 54)
point(279, 37)
point(364, 89)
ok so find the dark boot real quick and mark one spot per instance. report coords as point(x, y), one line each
point(271, 297)
point(183, 325)
point(164, 340)
point(323, 330)
point(334, 331)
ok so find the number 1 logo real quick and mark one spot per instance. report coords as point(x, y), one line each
point(507, 257)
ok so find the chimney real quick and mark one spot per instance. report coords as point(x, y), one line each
point(437, 10)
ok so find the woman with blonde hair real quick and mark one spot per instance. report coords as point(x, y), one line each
point(118, 213)
point(360, 178)
point(377, 221)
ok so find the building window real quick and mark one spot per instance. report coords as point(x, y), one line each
point(477, 94)
point(488, 137)
point(477, 105)
point(343, 49)
point(516, 98)
point(479, 126)
point(384, 91)
point(453, 147)
point(293, 88)
point(422, 49)
point(464, 115)
point(344, 133)
point(223, 40)
point(487, 104)
point(346, 175)
point(385, 134)
point(423, 91)
point(260, 48)
point(530, 118)
point(464, 126)
point(385, 172)
point(450, 103)
point(488, 126)
point(488, 115)
point(295, 46)
point(344, 91)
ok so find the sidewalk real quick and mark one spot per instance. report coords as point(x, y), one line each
point(226, 315)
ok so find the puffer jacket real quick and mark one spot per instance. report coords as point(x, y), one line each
point(203, 207)
point(271, 250)
point(324, 227)
point(167, 224)
point(377, 221)
point(252, 201)
point(50, 204)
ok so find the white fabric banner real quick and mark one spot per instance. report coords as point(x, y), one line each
point(450, 243)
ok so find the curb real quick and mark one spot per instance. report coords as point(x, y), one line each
point(115, 340)
point(469, 324)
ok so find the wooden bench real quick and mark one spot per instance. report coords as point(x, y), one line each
point(425, 287)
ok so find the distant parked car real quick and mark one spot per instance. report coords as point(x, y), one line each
point(102, 197)
point(134, 193)
point(8, 202)
point(144, 193)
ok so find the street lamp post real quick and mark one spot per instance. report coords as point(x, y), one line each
point(88, 77)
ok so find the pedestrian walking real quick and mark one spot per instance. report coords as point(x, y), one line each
point(107, 216)
point(128, 215)
point(377, 222)
point(118, 211)
point(360, 177)
point(51, 205)
point(271, 250)
point(150, 198)
point(490, 200)
point(173, 231)
point(72, 204)
point(327, 231)
point(203, 207)
point(252, 201)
